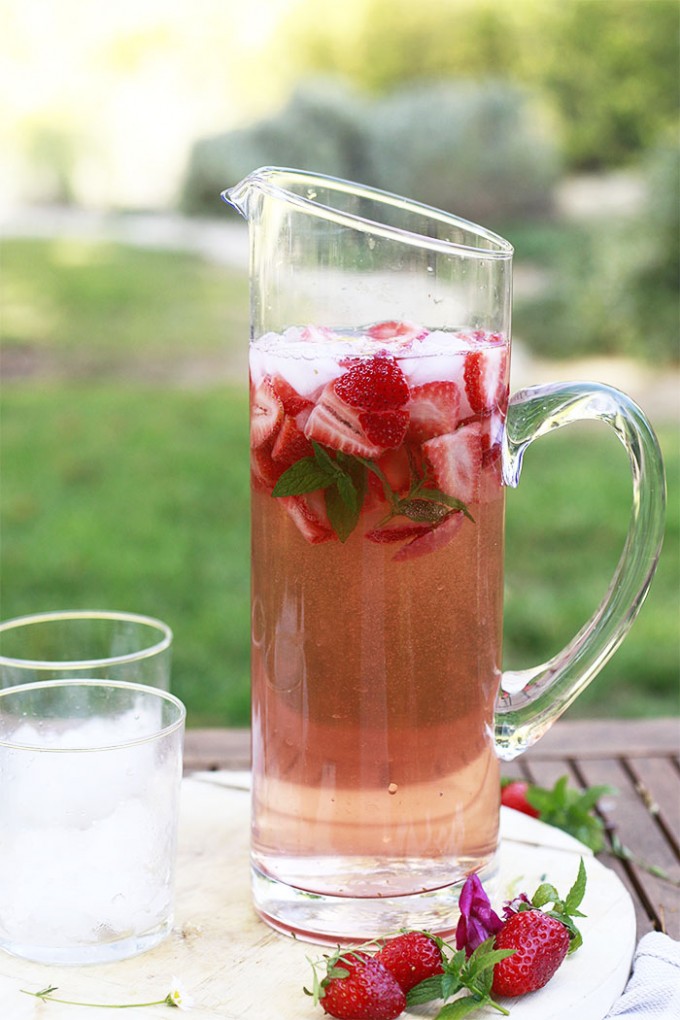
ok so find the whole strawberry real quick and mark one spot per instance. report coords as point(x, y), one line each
point(363, 990)
point(514, 795)
point(540, 942)
point(411, 958)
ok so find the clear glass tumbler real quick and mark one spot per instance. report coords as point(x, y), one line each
point(90, 775)
point(92, 644)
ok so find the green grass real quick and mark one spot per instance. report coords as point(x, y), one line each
point(134, 494)
point(94, 309)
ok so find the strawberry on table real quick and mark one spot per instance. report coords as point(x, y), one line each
point(540, 942)
point(514, 795)
point(411, 958)
point(359, 987)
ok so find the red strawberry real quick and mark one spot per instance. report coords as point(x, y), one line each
point(291, 443)
point(335, 424)
point(434, 410)
point(384, 428)
point(265, 471)
point(397, 532)
point(411, 958)
point(394, 464)
point(432, 539)
point(368, 992)
point(391, 329)
point(377, 384)
point(292, 402)
point(514, 795)
point(308, 513)
point(266, 413)
point(456, 460)
point(484, 374)
point(541, 943)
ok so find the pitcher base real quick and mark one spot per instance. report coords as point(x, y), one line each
point(329, 919)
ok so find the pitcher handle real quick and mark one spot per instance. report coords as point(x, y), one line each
point(530, 700)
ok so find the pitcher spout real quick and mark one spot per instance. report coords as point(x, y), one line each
point(238, 197)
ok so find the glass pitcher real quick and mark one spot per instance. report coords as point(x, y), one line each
point(381, 441)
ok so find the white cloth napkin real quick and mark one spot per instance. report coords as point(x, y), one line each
point(653, 990)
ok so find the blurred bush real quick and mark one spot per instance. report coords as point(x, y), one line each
point(480, 150)
point(615, 289)
point(321, 128)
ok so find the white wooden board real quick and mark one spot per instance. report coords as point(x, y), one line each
point(234, 966)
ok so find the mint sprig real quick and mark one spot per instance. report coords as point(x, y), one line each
point(473, 973)
point(343, 479)
point(571, 810)
point(564, 910)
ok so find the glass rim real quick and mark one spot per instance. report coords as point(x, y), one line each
point(86, 614)
point(265, 177)
point(39, 685)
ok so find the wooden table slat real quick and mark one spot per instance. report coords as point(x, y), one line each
point(637, 831)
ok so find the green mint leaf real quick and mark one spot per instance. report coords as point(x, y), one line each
point(451, 983)
point(347, 491)
point(459, 1008)
point(343, 518)
point(487, 960)
point(421, 510)
point(305, 475)
point(388, 491)
point(571, 811)
point(437, 496)
point(325, 461)
point(545, 893)
point(425, 991)
point(577, 891)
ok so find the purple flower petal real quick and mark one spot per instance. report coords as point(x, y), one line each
point(477, 919)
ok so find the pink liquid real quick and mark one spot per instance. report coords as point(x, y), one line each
point(374, 670)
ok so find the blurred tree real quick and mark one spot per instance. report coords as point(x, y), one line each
point(609, 68)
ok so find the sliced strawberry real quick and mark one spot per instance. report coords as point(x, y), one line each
point(433, 539)
point(485, 378)
point(336, 425)
point(375, 384)
point(391, 330)
point(309, 515)
point(456, 461)
point(394, 464)
point(292, 402)
point(435, 409)
point(265, 471)
point(315, 334)
point(397, 531)
point(266, 413)
point(385, 428)
point(291, 444)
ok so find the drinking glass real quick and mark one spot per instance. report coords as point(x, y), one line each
point(92, 644)
point(382, 440)
point(90, 775)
